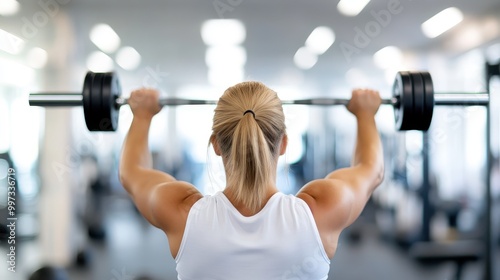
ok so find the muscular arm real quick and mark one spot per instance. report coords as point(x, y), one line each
point(135, 152)
point(137, 175)
point(367, 169)
point(160, 198)
point(368, 146)
point(338, 199)
point(136, 163)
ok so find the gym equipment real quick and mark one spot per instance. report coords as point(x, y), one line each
point(49, 273)
point(459, 252)
point(492, 70)
point(464, 251)
point(83, 258)
point(413, 99)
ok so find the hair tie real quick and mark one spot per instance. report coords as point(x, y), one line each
point(249, 111)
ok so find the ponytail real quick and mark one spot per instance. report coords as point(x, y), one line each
point(248, 127)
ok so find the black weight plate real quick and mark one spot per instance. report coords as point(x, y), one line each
point(95, 102)
point(396, 93)
point(87, 99)
point(110, 91)
point(402, 90)
point(116, 91)
point(429, 100)
point(418, 100)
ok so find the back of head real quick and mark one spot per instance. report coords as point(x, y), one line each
point(249, 142)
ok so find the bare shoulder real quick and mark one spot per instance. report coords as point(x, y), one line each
point(324, 192)
point(171, 204)
point(330, 201)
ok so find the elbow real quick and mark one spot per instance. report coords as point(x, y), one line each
point(122, 173)
point(379, 175)
point(124, 177)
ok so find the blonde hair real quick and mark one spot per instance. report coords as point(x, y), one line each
point(249, 143)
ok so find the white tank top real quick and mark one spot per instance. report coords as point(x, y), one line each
point(280, 242)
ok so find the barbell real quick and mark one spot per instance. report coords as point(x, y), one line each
point(413, 100)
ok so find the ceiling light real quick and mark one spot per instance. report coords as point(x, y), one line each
point(442, 22)
point(105, 38)
point(351, 7)
point(320, 40)
point(10, 43)
point(225, 57)
point(99, 62)
point(128, 58)
point(223, 32)
point(37, 58)
point(9, 7)
point(388, 57)
point(305, 59)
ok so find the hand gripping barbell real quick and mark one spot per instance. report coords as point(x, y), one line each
point(413, 100)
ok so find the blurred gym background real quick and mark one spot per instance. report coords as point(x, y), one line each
point(426, 221)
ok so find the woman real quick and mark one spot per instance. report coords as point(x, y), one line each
point(251, 230)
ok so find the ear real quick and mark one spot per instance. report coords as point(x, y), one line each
point(215, 145)
point(284, 144)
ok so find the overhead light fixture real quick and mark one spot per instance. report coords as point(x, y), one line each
point(223, 32)
point(320, 40)
point(128, 58)
point(37, 58)
point(99, 62)
point(305, 59)
point(442, 22)
point(225, 57)
point(10, 43)
point(105, 38)
point(352, 8)
point(9, 7)
point(388, 57)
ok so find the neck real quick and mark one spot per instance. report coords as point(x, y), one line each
point(245, 211)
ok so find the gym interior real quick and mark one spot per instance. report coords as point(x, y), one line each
point(65, 215)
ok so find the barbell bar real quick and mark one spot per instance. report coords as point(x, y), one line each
point(413, 100)
point(76, 100)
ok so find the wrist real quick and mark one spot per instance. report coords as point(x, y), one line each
point(143, 120)
point(143, 117)
point(364, 116)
